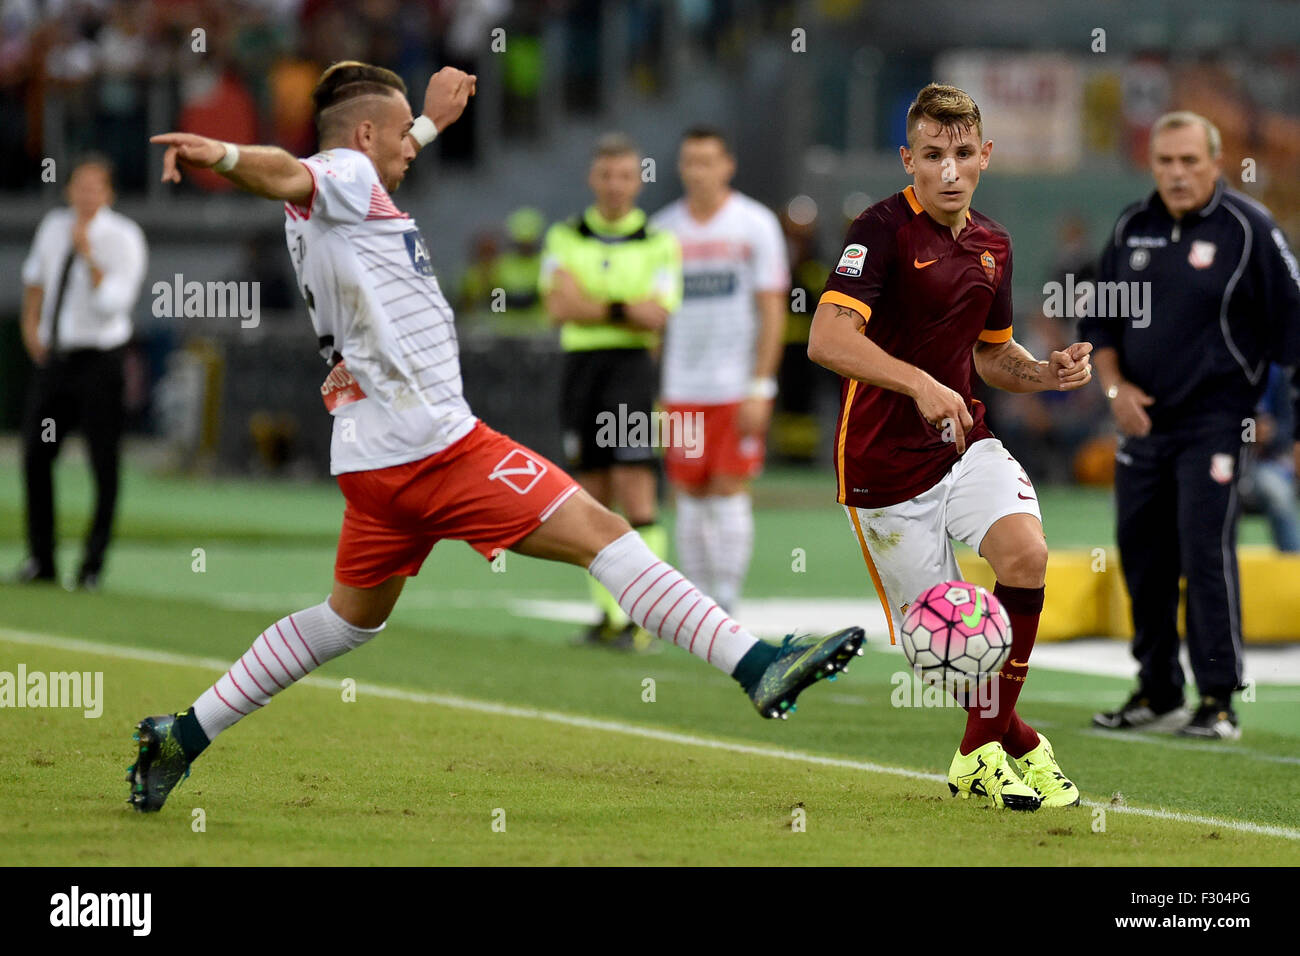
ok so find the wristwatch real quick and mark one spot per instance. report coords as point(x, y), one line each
point(1112, 392)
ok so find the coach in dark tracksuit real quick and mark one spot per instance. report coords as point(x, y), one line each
point(1182, 379)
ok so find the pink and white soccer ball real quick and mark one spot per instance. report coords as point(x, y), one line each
point(956, 635)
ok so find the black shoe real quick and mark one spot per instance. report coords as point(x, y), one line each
point(32, 571)
point(635, 639)
point(160, 763)
point(1140, 712)
point(631, 638)
point(599, 633)
point(1214, 719)
point(86, 581)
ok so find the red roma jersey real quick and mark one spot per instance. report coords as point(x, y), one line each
point(927, 298)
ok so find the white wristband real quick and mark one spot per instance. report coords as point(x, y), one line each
point(227, 162)
point(423, 131)
point(764, 388)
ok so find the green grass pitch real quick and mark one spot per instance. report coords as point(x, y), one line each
point(478, 736)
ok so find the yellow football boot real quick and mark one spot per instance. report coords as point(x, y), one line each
point(1040, 771)
point(987, 772)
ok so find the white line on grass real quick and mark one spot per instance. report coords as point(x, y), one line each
point(609, 726)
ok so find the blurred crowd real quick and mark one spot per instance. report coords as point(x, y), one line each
point(103, 71)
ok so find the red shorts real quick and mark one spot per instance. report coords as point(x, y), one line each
point(486, 489)
point(718, 448)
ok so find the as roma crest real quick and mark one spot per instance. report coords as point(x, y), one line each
point(989, 264)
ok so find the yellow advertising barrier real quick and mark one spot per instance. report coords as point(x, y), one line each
point(1086, 594)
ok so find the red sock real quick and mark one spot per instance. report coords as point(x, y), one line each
point(1023, 606)
point(1020, 738)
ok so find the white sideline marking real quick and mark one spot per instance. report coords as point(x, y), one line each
point(609, 726)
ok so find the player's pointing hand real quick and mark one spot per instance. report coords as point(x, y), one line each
point(187, 148)
point(1070, 368)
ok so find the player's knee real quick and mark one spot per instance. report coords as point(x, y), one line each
point(1026, 565)
point(727, 485)
point(602, 528)
point(356, 617)
point(611, 526)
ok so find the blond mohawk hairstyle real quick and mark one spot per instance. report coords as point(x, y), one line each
point(950, 107)
point(349, 79)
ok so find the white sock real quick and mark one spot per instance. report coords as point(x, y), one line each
point(657, 597)
point(693, 532)
point(732, 528)
point(287, 651)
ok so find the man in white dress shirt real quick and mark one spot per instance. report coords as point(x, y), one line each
point(80, 283)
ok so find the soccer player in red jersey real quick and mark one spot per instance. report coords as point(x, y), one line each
point(414, 464)
point(922, 287)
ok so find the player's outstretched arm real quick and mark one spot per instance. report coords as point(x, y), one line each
point(266, 171)
point(1009, 366)
point(837, 342)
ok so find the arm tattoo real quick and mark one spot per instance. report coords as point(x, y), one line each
point(843, 312)
point(1021, 369)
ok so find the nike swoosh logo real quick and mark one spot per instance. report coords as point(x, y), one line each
point(1026, 497)
point(921, 265)
point(972, 620)
point(1016, 663)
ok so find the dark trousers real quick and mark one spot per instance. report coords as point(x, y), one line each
point(1177, 509)
point(80, 389)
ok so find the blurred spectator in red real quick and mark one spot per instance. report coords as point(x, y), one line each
point(291, 81)
point(216, 103)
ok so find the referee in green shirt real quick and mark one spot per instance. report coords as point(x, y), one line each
point(611, 281)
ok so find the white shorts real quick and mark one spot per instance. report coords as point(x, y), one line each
point(907, 546)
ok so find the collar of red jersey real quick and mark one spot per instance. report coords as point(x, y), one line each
point(909, 193)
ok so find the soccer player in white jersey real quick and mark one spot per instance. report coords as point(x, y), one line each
point(414, 464)
point(720, 358)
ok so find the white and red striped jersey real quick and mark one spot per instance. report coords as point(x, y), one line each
point(363, 268)
point(708, 355)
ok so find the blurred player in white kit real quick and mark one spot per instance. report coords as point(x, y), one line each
point(720, 358)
